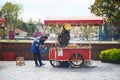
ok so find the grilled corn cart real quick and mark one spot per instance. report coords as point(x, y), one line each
point(74, 55)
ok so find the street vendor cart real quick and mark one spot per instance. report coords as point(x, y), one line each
point(75, 55)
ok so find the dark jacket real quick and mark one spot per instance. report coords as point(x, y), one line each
point(64, 38)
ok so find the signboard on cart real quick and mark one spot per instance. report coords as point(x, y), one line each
point(60, 52)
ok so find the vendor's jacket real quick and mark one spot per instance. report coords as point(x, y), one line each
point(35, 47)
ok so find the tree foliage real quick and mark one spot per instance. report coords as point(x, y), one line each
point(109, 9)
point(11, 13)
point(31, 27)
point(28, 27)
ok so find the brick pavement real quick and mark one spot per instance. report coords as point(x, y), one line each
point(97, 71)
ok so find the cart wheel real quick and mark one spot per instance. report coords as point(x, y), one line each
point(55, 63)
point(76, 60)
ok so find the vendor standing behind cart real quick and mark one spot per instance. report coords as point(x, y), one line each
point(35, 48)
point(64, 37)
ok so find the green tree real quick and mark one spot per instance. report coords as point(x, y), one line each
point(19, 23)
point(31, 27)
point(109, 9)
point(11, 13)
point(28, 27)
point(24, 26)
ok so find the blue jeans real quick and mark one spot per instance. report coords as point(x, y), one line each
point(37, 58)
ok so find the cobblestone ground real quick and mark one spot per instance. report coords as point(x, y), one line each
point(97, 71)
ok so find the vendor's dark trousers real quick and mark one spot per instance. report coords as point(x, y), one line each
point(37, 58)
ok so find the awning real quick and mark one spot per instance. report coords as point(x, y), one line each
point(74, 20)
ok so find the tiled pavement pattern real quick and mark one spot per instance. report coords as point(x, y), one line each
point(97, 71)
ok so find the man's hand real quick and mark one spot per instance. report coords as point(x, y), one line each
point(42, 46)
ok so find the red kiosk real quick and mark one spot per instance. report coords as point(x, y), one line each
point(75, 55)
point(2, 25)
point(6, 56)
point(2, 22)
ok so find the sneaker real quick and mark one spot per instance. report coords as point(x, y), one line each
point(37, 66)
point(42, 64)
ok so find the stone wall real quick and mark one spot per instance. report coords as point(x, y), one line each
point(96, 48)
point(23, 49)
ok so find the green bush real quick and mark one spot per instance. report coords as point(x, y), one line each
point(117, 55)
point(110, 55)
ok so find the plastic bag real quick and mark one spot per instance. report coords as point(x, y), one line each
point(44, 50)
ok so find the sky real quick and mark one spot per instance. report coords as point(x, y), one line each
point(40, 9)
